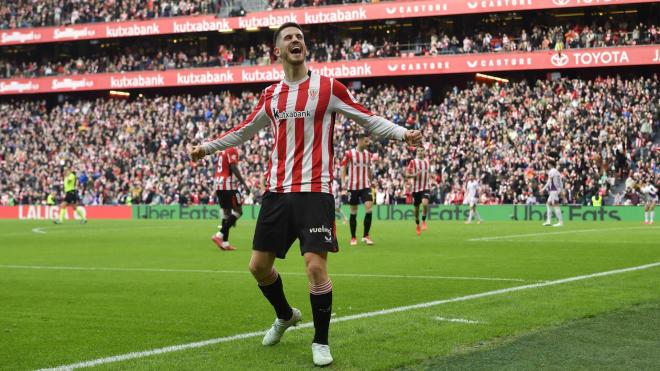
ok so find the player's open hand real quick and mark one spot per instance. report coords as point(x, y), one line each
point(197, 153)
point(413, 138)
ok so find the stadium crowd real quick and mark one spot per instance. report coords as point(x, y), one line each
point(279, 4)
point(31, 13)
point(142, 55)
point(135, 151)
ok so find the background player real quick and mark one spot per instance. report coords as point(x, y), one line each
point(357, 163)
point(299, 205)
point(419, 169)
point(70, 182)
point(651, 198)
point(336, 191)
point(554, 187)
point(229, 197)
point(472, 198)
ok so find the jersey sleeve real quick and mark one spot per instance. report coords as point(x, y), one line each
point(343, 102)
point(346, 159)
point(256, 121)
point(411, 166)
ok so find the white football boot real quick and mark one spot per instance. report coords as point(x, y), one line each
point(321, 354)
point(275, 333)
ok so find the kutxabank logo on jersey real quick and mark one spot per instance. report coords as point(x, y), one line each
point(284, 115)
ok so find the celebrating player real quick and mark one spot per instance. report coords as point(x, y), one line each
point(229, 197)
point(650, 193)
point(70, 182)
point(301, 111)
point(419, 169)
point(554, 187)
point(358, 163)
point(472, 198)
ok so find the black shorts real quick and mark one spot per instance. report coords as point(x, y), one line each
point(306, 216)
point(359, 196)
point(229, 199)
point(418, 196)
point(71, 197)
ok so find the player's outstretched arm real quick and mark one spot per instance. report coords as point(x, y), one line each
point(344, 103)
point(257, 120)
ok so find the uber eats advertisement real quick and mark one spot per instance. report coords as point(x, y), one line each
point(406, 212)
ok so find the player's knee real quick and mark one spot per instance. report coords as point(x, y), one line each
point(259, 269)
point(316, 271)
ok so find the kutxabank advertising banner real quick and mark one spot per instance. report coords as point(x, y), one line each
point(273, 18)
point(423, 65)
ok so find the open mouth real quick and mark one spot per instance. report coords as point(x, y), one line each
point(295, 50)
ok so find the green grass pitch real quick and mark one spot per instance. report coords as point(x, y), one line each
point(74, 293)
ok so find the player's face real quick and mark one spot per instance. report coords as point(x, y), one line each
point(420, 153)
point(291, 46)
point(363, 143)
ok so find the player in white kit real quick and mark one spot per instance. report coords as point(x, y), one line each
point(650, 193)
point(554, 186)
point(472, 199)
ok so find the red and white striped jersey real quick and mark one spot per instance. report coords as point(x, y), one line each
point(224, 179)
point(359, 168)
point(422, 169)
point(302, 119)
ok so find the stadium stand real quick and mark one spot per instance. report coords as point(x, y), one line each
point(605, 129)
point(147, 54)
point(602, 128)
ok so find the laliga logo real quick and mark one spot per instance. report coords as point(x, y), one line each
point(559, 60)
point(561, 2)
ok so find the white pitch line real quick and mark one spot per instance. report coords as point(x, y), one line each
point(199, 344)
point(591, 242)
point(45, 267)
point(512, 236)
point(457, 320)
point(71, 227)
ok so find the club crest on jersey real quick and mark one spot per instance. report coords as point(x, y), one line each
point(277, 115)
point(313, 94)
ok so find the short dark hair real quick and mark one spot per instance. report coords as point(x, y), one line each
point(283, 26)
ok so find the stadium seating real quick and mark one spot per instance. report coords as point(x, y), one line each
point(602, 129)
point(141, 55)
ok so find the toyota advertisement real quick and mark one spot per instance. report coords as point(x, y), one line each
point(466, 63)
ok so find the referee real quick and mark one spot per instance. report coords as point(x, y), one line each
point(71, 197)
